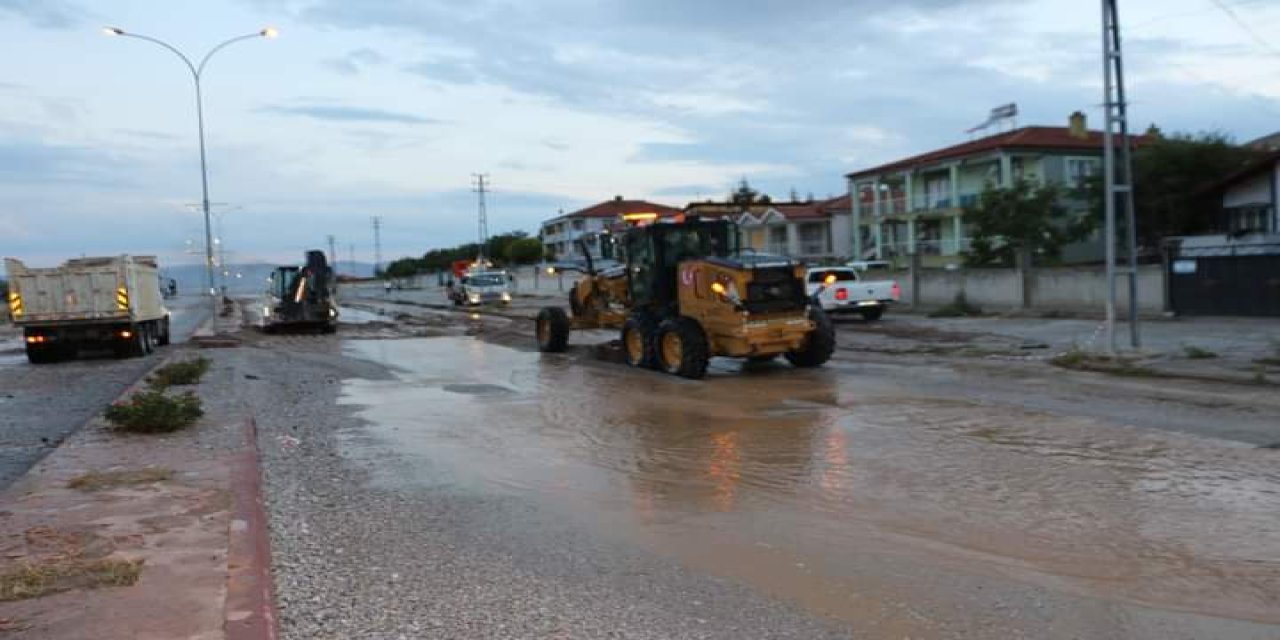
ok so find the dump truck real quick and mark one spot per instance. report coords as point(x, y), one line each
point(109, 302)
point(683, 292)
point(301, 297)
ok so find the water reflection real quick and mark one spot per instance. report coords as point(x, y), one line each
point(719, 445)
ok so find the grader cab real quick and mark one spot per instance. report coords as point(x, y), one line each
point(682, 293)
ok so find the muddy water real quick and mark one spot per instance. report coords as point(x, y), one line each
point(858, 499)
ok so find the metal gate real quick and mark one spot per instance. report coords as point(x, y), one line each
point(1237, 280)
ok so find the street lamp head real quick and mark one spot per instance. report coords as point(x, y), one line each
point(269, 32)
point(113, 31)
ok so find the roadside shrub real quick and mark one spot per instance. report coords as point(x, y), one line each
point(179, 373)
point(1196, 353)
point(154, 412)
point(1274, 359)
point(959, 308)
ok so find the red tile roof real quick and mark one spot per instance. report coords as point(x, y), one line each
point(1057, 138)
point(617, 207)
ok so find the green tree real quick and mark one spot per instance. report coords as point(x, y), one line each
point(1024, 216)
point(497, 247)
point(1173, 178)
point(524, 251)
point(744, 195)
point(402, 268)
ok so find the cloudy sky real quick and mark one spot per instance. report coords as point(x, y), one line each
point(386, 107)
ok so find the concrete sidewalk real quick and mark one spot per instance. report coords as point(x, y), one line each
point(183, 527)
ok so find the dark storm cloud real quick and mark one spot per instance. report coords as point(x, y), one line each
point(29, 163)
point(354, 61)
point(46, 14)
point(814, 89)
point(348, 114)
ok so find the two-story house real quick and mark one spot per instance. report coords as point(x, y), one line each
point(916, 205)
point(814, 231)
point(560, 233)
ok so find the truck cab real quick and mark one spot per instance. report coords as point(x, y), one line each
point(482, 287)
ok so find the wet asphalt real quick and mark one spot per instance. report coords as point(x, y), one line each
point(41, 405)
point(464, 486)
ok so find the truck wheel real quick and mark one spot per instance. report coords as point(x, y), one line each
point(148, 333)
point(639, 340)
point(163, 338)
point(552, 329)
point(41, 355)
point(818, 345)
point(872, 314)
point(683, 349)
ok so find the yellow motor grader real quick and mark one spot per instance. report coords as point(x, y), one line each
point(682, 293)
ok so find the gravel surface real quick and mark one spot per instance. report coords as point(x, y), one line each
point(355, 560)
point(41, 405)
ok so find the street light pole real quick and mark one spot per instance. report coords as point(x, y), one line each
point(197, 72)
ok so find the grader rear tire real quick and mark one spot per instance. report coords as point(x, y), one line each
point(552, 330)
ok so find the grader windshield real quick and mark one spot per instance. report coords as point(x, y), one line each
point(655, 251)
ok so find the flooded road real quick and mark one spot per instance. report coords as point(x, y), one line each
point(868, 501)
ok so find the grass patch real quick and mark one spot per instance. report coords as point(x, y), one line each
point(154, 412)
point(1196, 353)
point(39, 579)
point(1081, 360)
point(99, 480)
point(959, 308)
point(179, 373)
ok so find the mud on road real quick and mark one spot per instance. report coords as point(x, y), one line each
point(436, 475)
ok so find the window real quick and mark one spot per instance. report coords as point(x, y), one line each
point(842, 275)
point(777, 239)
point(938, 193)
point(1078, 169)
point(813, 239)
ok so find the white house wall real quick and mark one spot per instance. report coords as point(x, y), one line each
point(1255, 190)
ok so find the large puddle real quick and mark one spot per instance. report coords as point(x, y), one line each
point(821, 486)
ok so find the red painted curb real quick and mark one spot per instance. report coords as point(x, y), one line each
point(250, 609)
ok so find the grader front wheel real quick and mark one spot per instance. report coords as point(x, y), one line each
point(639, 334)
point(683, 349)
point(552, 329)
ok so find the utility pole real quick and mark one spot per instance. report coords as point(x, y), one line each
point(483, 222)
point(1117, 179)
point(377, 245)
point(333, 254)
point(351, 258)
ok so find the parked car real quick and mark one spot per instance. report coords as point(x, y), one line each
point(842, 290)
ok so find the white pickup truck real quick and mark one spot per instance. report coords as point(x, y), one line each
point(842, 290)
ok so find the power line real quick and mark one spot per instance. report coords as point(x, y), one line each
point(1235, 17)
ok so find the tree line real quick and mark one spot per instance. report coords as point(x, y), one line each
point(513, 248)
